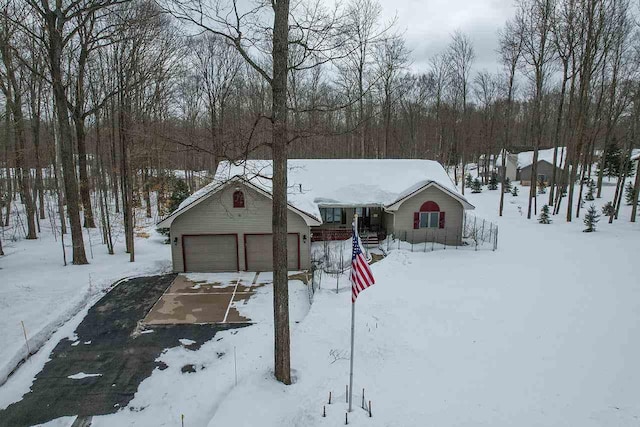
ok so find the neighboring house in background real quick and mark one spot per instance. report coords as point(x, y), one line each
point(519, 166)
point(511, 165)
point(226, 225)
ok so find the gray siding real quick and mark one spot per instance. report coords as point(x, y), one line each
point(544, 168)
point(454, 213)
point(216, 215)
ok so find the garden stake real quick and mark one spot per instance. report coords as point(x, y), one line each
point(24, 331)
point(324, 411)
point(329, 398)
point(369, 409)
point(346, 418)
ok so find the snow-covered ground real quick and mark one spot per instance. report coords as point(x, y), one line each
point(541, 332)
point(37, 289)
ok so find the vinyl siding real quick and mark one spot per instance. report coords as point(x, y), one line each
point(544, 168)
point(454, 212)
point(216, 215)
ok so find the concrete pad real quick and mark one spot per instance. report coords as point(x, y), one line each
point(196, 308)
point(182, 285)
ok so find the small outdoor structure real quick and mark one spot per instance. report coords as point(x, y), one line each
point(520, 166)
point(226, 225)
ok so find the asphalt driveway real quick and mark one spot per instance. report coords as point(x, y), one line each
point(100, 371)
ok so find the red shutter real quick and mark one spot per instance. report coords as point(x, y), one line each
point(416, 220)
point(441, 224)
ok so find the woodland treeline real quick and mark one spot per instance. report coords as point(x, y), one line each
point(102, 100)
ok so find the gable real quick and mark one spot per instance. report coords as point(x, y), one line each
point(255, 199)
point(445, 193)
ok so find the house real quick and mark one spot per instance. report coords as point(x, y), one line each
point(519, 166)
point(511, 165)
point(226, 225)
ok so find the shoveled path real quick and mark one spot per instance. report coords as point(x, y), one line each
point(107, 344)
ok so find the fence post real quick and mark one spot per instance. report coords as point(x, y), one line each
point(433, 240)
point(475, 231)
point(495, 242)
point(425, 239)
point(412, 238)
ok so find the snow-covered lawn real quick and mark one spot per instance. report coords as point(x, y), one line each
point(37, 289)
point(544, 331)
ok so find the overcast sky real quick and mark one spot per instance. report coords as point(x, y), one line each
point(428, 25)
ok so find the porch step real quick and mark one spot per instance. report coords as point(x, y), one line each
point(370, 240)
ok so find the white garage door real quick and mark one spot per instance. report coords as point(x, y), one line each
point(259, 252)
point(207, 253)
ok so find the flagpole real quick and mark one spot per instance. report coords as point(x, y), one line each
point(353, 321)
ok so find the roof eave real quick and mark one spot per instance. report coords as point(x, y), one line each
point(309, 219)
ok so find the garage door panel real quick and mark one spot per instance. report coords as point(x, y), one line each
point(210, 253)
point(259, 252)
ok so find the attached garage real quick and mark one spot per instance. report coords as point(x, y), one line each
point(210, 252)
point(259, 254)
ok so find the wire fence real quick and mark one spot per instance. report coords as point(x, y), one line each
point(333, 257)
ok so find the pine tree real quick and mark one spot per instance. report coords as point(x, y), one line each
point(493, 183)
point(591, 219)
point(544, 215)
point(608, 209)
point(542, 187)
point(611, 161)
point(514, 191)
point(628, 194)
point(507, 185)
point(476, 186)
point(468, 181)
point(591, 186)
point(179, 192)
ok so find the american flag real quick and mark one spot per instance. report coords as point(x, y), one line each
point(361, 276)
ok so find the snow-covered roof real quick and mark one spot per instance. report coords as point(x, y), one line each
point(526, 158)
point(635, 154)
point(337, 182)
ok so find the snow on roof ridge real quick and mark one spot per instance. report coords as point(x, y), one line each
point(348, 182)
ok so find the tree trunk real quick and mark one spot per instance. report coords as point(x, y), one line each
point(8, 134)
point(279, 217)
point(85, 192)
point(54, 31)
point(636, 190)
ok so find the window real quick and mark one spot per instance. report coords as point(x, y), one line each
point(331, 215)
point(238, 199)
point(363, 212)
point(429, 219)
point(429, 216)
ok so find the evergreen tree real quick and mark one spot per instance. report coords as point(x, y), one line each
point(476, 186)
point(628, 194)
point(507, 185)
point(179, 192)
point(493, 183)
point(514, 191)
point(544, 215)
point(468, 181)
point(591, 219)
point(608, 209)
point(542, 187)
point(611, 161)
point(591, 186)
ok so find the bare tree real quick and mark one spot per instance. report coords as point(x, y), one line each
point(461, 55)
point(534, 19)
point(510, 51)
